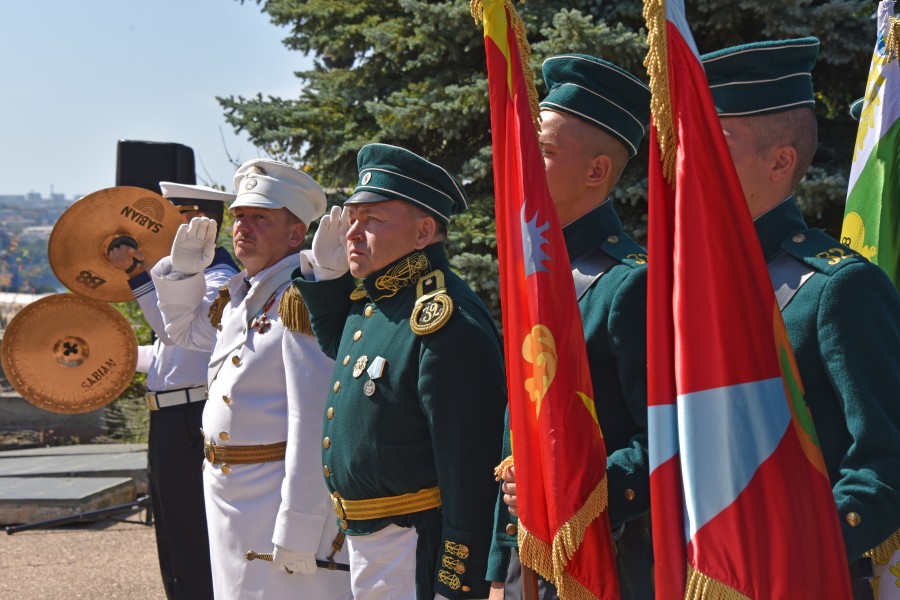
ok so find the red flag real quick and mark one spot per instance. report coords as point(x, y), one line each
point(740, 499)
point(558, 448)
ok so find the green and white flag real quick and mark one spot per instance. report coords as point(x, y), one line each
point(872, 216)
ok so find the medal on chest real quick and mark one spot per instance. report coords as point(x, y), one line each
point(374, 372)
point(261, 322)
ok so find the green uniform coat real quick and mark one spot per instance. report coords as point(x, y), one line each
point(613, 312)
point(434, 418)
point(844, 326)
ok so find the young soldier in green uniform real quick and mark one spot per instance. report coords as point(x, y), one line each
point(414, 415)
point(841, 312)
point(592, 122)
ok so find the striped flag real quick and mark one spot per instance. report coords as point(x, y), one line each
point(872, 216)
point(740, 499)
point(558, 449)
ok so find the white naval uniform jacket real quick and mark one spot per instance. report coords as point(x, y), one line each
point(263, 388)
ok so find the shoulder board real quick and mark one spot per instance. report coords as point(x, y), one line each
point(625, 250)
point(433, 306)
point(820, 251)
point(218, 307)
point(293, 312)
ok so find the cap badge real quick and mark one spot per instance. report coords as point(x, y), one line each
point(366, 178)
point(249, 183)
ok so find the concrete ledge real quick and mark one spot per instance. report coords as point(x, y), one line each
point(34, 499)
point(89, 461)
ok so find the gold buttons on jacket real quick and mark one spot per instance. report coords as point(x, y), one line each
point(613, 239)
point(460, 568)
point(346, 360)
point(853, 519)
point(337, 386)
point(799, 238)
point(223, 435)
point(629, 494)
point(226, 469)
point(511, 529)
point(326, 443)
point(226, 400)
point(330, 413)
point(357, 335)
point(369, 311)
point(236, 361)
point(466, 588)
point(326, 470)
point(344, 524)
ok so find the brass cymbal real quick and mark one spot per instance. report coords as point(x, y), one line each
point(69, 354)
point(82, 237)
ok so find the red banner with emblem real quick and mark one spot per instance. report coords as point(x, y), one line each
point(558, 448)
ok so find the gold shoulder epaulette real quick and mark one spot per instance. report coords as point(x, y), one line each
point(433, 306)
point(293, 312)
point(218, 307)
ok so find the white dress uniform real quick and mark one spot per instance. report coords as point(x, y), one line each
point(264, 388)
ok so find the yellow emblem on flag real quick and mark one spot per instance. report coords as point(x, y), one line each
point(539, 350)
point(853, 234)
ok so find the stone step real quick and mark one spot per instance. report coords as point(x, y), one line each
point(98, 460)
point(35, 499)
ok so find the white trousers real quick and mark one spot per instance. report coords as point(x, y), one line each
point(383, 564)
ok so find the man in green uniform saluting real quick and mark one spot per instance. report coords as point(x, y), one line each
point(415, 412)
point(592, 122)
point(841, 312)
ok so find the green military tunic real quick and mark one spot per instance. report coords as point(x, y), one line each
point(613, 312)
point(432, 416)
point(844, 326)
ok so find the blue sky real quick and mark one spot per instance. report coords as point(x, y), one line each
point(78, 75)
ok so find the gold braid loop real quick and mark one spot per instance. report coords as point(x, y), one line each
point(882, 554)
point(657, 64)
point(218, 307)
point(476, 7)
point(405, 273)
point(892, 41)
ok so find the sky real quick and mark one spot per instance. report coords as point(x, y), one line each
point(79, 75)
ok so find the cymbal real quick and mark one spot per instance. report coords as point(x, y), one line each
point(82, 236)
point(69, 354)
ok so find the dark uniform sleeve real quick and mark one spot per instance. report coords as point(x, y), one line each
point(628, 468)
point(462, 390)
point(859, 343)
point(328, 303)
point(505, 524)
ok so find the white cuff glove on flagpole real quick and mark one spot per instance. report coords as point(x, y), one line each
point(194, 245)
point(293, 561)
point(329, 245)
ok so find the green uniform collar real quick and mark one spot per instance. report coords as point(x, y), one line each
point(591, 229)
point(405, 272)
point(775, 226)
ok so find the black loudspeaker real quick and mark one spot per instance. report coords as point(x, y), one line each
point(145, 164)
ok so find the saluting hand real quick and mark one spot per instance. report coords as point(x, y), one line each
point(194, 245)
point(329, 246)
point(509, 492)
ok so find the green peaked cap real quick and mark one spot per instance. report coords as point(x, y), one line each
point(599, 93)
point(392, 173)
point(762, 77)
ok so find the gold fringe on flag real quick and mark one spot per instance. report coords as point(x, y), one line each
point(550, 561)
point(503, 468)
point(892, 41)
point(218, 306)
point(882, 554)
point(657, 64)
point(704, 587)
point(293, 312)
point(477, 9)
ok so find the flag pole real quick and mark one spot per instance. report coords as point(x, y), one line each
point(529, 584)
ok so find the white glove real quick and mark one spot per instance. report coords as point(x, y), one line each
point(329, 245)
point(293, 561)
point(194, 245)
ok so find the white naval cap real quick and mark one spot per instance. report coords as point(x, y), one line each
point(204, 198)
point(263, 183)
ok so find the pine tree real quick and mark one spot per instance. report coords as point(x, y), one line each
point(412, 73)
